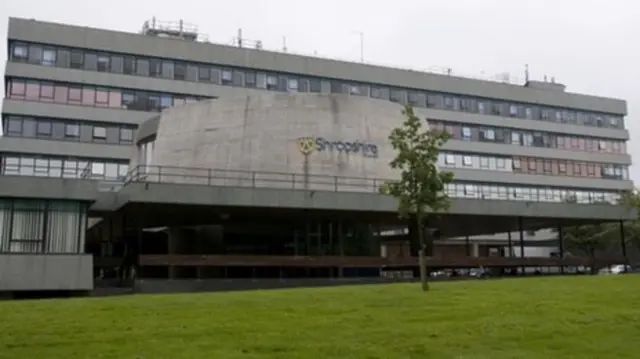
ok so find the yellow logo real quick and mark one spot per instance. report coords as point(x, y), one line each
point(306, 145)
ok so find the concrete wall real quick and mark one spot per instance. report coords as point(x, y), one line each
point(262, 132)
point(35, 272)
point(130, 43)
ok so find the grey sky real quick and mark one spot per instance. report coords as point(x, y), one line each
point(589, 45)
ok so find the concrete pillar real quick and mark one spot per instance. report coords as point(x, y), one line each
point(175, 238)
point(475, 250)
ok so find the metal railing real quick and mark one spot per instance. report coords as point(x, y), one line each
point(318, 182)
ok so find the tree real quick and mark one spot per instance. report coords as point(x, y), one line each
point(420, 190)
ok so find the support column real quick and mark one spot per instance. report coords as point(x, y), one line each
point(521, 230)
point(623, 245)
point(510, 244)
point(475, 250)
point(561, 247)
point(467, 244)
point(340, 246)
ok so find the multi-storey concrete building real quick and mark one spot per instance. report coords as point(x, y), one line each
point(75, 97)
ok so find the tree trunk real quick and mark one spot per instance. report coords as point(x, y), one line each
point(422, 260)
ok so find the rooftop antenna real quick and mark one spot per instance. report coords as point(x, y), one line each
point(553, 79)
point(239, 37)
point(284, 44)
point(526, 72)
point(545, 78)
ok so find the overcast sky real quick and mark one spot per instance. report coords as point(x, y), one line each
point(589, 45)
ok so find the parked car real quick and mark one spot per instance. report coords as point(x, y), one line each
point(615, 269)
point(479, 273)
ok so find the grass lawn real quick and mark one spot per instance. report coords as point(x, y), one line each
point(579, 317)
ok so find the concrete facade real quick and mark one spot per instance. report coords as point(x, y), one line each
point(38, 272)
point(263, 132)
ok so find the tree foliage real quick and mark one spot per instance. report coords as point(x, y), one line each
point(421, 187)
point(589, 239)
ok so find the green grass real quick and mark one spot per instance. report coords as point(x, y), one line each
point(580, 317)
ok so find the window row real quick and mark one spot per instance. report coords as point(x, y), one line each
point(525, 193)
point(533, 165)
point(42, 226)
point(83, 95)
point(465, 132)
point(68, 130)
point(63, 168)
point(222, 75)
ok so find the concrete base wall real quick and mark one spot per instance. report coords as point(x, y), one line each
point(41, 272)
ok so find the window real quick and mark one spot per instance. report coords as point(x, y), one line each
point(90, 62)
point(46, 91)
point(35, 54)
point(102, 97)
point(14, 125)
point(293, 85)
point(128, 65)
point(513, 110)
point(63, 58)
point(562, 167)
point(227, 77)
point(142, 67)
point(450, 160)
point(484, 162)
point(126, 135)
point(204, 74)
point(516, 164)
point(602, 145)
point(501, 163)
point(99, 133)
point(466, 132)
point(19, 52)
point(75, 94)
point(528, 113)
point(489, 134)
point(103, 63)
point(547, 166)
point(71, 130)
point(48, 57)
point(250, 79)
point(77, 59)
point(43, 128)
point(18, 88)
point(179, 71)
point(467, 161)
point(155, 68)
point(128, 100)
point(515, 138)
point(117, 63)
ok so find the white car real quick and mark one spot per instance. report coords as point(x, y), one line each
point(615, 269)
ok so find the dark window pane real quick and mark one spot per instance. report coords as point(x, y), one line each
point(180, 71)
point(192, 73)
point(153, 102)
point(315, 86)
point(167, 69)
point(77, 59)
point(128, 67)
point(14, 125)
point(103, 63)
point(90, 62)
point(250, 79)
point(141, 103)
point(166, 101)
point(63, 59)
point(43, 128)
point(204, 74)
point(155, 68)
point(227, 77)
point(35, 54)
point(128, 100)
point(116, 64)
point(142, 67)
